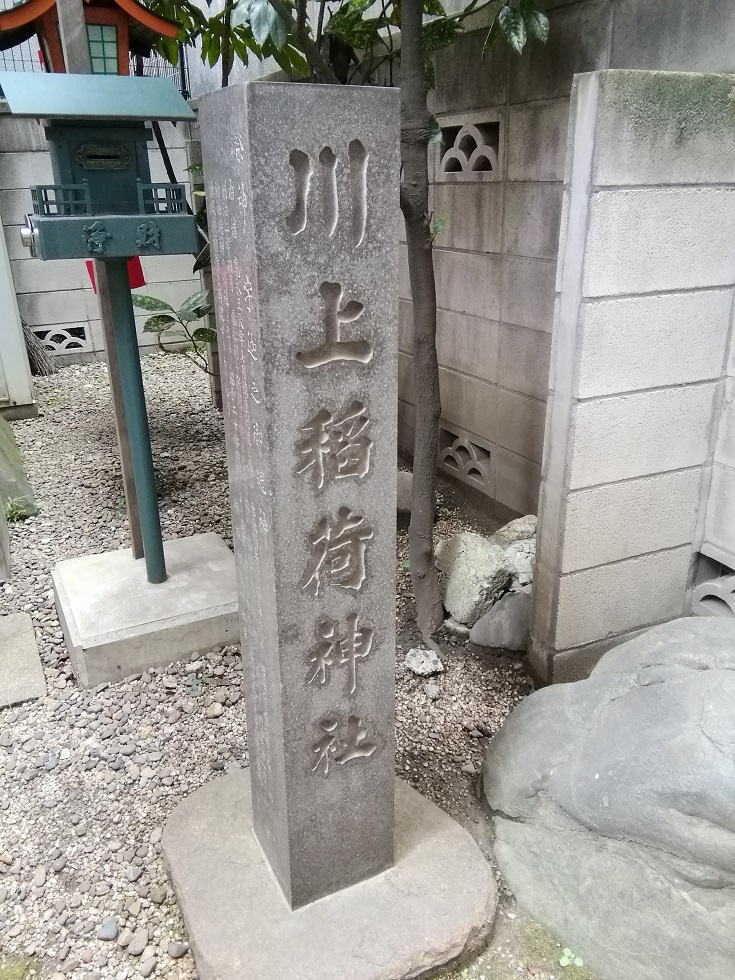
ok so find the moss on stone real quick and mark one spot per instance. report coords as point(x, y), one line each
point(18, 970)
point(694, 103)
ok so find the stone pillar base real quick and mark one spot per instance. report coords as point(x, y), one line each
point(435, 908)
point(116, 623)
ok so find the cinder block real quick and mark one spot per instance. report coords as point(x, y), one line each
point(652, 341)
point(537, 141)
point(674, 35)
point(468, 344)
point(468, 282)
point(521, 424)
point(465, 79)
point(34, 276)
point(474, 215)
point(19, 135)
point(20, 170)
point(528, 292)
point(405, 378)
point(600, 602)
point(720, 524)
point(681, 130)
point(63, 306)
point(725, 450)
point(524, 360)
point(405, 326)
point(622, 437)
point(469, 403)
point(404, 283)
point(532, 217)
point(611, 523)
point(578, 42)
point(14, 205)
point(517, 481)
point(642, 241)
point(406, 426)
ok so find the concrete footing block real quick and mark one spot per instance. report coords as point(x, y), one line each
point(116, 623)
point(435, 908)
point(21, 673)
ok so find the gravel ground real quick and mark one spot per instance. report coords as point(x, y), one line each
point(88, 778)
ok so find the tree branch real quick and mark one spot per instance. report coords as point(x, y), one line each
point(322, 70)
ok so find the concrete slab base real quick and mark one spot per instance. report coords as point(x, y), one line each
point(21, 673)
point(434, 909)
point(116, 623)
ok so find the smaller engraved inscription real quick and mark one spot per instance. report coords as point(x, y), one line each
point(95, 237)
point(333, 650)
point(335, 447)
point(337, 552)
point(331, 747)
point(334, 348)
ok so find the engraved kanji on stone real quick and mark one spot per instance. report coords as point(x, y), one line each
point(335, 447)
point(95, 237)
point(334, 348)
point(149, 236)
point(330, 747)
point(303, 170)
point(331, 650)
point(337, 552)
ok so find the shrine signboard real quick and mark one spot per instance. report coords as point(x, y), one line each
point(303, 215)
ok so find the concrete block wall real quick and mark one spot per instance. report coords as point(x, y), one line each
point(644, 310)
point(56, 298)
point(496, 257)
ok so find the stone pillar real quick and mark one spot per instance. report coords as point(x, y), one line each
point(302, 197)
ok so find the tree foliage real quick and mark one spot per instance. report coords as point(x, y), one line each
point(357, 39)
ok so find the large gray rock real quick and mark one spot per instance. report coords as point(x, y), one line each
point(506, 624)
point(475, 572)
point(520, 558)
point(520, 529)
point(614, 802)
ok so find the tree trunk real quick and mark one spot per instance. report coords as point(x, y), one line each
point(415, 134)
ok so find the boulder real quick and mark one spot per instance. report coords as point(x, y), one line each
point(614, 803)
point(506, 624)
point(405, 492)
point(518, 530)
point(520, 559)
point(475, 573)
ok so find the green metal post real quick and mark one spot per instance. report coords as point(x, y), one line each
point(134, 401)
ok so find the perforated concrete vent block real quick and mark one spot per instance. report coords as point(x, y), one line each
point(116, 623)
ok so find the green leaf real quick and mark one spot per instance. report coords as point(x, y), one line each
point(205, 335)
point(279, 32)
point(407, 564)
point(439, 224)
point(196, 306)
point(298, 61)
point(157, 324)
point(434, 8)
point(564, 961)
point(578, 961)
point(513, 27)
point(261, 19)
point(567, 952)
point(150, 303)
point(196, 169)
point(240, 13)
point(536, 21)
point(169, 48)
point(436, 132)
